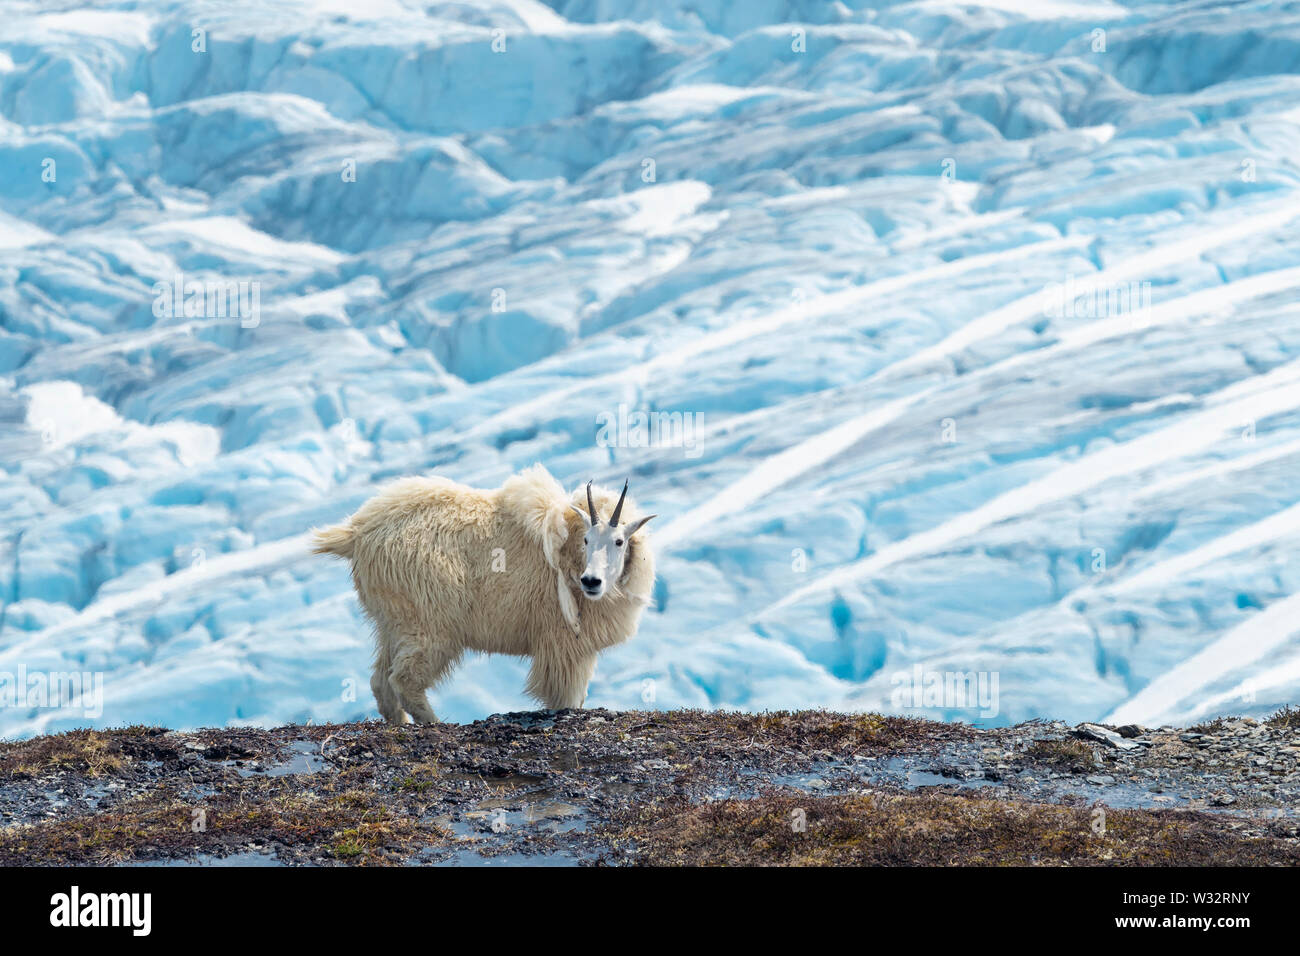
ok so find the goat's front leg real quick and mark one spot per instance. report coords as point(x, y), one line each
point(560, 681)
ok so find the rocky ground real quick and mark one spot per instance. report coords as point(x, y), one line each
point(684, 787)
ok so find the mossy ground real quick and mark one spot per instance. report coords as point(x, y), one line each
point(928, 830)
point(335, 818)
point(648, 787)
point(92, 752)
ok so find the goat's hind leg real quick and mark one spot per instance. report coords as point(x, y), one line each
point(414, 672)
point(390, 708)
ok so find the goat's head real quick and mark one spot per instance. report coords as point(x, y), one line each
point(605, 545)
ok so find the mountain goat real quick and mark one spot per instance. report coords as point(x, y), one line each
point(441, 568)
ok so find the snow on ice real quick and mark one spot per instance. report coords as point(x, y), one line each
point(948, 338)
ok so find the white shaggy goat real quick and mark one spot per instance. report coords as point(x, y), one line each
point(442, 568)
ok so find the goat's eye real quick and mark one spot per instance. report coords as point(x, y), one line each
point(619, 542)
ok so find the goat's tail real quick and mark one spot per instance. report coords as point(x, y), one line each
point(336, 540)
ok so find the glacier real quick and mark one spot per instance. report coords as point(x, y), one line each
point(982, 315)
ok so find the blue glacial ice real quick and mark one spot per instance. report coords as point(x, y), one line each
point(985, 311)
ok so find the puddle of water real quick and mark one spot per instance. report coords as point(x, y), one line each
point(822, 779)
point(813, 783)
point(513, 781)
point(1125, 795)
point(914, 773)
point(569, 762)
point(306, 758)
point(92, 797)
point(491, 817)
point(550, 814)
point(926, 778)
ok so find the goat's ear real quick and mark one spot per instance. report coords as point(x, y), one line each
point(635, 527)
point(586, 518)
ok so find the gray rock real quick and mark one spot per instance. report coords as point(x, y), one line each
point(1103, 735)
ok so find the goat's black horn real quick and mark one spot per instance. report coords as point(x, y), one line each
point(618, 508)
point(591, 505)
